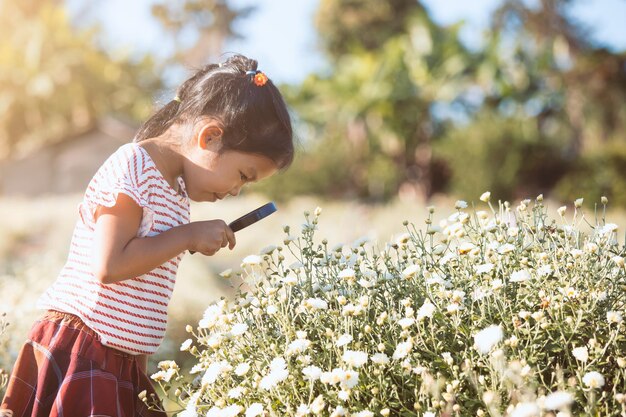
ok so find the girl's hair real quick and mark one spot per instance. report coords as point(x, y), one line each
point(255, 117)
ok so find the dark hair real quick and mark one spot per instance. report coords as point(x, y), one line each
point(255, 118)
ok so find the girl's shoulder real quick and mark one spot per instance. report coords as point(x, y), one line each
point(130, 159)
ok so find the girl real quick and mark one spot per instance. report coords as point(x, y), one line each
point(228, 126)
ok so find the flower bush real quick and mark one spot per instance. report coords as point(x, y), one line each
point(501, 312)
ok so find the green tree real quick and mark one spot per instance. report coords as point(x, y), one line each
point(552, 100)
point(391, 67)
point(55, 81)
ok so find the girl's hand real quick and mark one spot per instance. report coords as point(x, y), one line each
point(207, 237)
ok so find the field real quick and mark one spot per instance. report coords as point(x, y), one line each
point(35, 235)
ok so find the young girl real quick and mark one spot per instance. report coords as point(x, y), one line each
point(228, 126)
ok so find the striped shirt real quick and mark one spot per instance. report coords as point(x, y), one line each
point(129, 315)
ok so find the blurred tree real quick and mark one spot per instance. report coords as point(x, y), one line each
point(209, 22)
point(585, 84)
point(392, 66)
point(560, 93)
point(55, 81)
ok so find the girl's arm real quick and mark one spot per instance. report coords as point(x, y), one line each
point(118, 253)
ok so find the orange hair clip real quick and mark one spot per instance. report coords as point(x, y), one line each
point(259, 78)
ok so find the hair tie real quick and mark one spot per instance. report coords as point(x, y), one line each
point(177, 99)
point(258, 77)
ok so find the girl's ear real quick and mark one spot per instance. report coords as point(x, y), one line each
point(209, 133)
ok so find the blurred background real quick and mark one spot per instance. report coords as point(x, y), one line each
point(397, 105)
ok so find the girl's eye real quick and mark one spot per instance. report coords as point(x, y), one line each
point(243, 176)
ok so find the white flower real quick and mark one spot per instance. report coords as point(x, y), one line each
point(196, 368)
point(561, 210)
point(255, 409)
point(235, 392)
point(406, 322)
point(164, 375)
point(593, 379)
point(318, 404)
point(520, 276)
point(506, 248)
point(487, 338)
point(607, 228)
point(303, 410)
point(485, 196)
point(484, 268)
point(460, 204)
point(364, 413)
point(354, 358)
point(186, 345)
point(252, 260)
point(614, 317)
point(278, 373)
point(226, 273)
point(242, 369)
point(214, 371)
point(402, 350)
point(271, 310)
point(466, 247)
point(581, 354)
point(312, 373)
point(211, 316)
point(343, 340)
point(348, 274)
point(426, 310)
point(380, 358)
point(315, 304)
point(339, 412)
point(496, 284)
point(268, 250)
point(365, 283)
point(343, 395)
point(544, 270)
point(619, 261)
point(290, 279)
point(558, 400)
point(239, 329)
point(403, 238)
point(410, 271)
point(349, 379)
point(191, 408)
point(526, 409)
point(297, 346)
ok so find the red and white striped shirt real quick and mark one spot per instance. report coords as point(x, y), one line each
point(129, 315)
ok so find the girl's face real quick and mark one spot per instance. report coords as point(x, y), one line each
point(210, 175)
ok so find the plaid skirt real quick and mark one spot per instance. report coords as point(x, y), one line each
point(64, 370)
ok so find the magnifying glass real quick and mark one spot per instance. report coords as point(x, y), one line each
point(251, 218)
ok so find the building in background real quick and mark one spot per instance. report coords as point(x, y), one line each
point(66, 166)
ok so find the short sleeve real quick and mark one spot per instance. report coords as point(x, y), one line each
point(122, 172)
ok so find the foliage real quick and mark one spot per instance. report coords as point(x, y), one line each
point(55, 81)
point(398, 85)
point(502, 311)
point(599, 172)
point(510, 156)
point(382, 101)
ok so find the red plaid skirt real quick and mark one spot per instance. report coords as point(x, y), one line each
point(64, 370)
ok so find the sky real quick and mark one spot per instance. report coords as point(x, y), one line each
point(281, 33)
